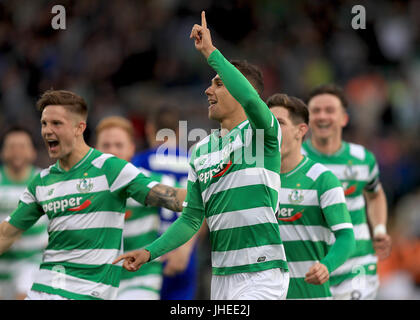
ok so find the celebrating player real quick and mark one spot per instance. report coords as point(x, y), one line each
point(315, 225)
point(358, 172)
point(84, 195)
point(237, 197)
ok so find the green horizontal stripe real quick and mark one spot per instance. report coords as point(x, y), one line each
point(153, 267)
point(363, 248)
point(108, 274)
point(141, 212)
point(35, 230)
point(245, 237)
point(140, 241)
point(305, 250)
point(250, 267)
point(233, 199)
point(358, 216)
point(95, 238)
point(299, 289)
point(336, 280)
point(33, 255)
point(61, 292)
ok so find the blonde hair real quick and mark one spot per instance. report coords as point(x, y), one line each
point(115, 121)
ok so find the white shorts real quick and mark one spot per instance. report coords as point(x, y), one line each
point(269, 284)
point(37, 295)
point(358, 288)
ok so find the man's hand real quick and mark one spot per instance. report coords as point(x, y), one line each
point(317, 274)
point(382, 245)
point(133, 260)
point(202, 38)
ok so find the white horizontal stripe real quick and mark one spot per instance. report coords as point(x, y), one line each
point(133, 203)
point(310, 197)
point(243, 178)
point(61, 280)
point(353, 264)
point(202, 142)
point(361, 172)
point(140, 226)
point(99, 219)
point(306, 233)
point(64, 188)
point(332, 196)
point(99, 161)
point(127, 174)
point(27, 197)
point(315, 171)
point(241, 218)
point(355, 203)
point(31, 242)
point(45, 172)
point(192, 176)
point(361, 232)
point(298, 269)
point(83, 256)
point(341, 226)
point(357, 151)
point(151, 280)
point(247, 256)
point(214, 158)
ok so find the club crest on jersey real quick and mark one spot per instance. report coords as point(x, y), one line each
point(296, 196)
point(84, 186)
point(350, 173)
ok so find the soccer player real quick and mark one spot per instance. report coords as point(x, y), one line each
point(315, 225)
point(165, 156)
point(356, 168)
point(20, 262)
point(84, 195)
point(238, 197)
point(115, 135)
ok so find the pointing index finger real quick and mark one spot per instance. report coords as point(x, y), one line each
point(203, 19)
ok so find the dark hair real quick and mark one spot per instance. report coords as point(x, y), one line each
point(252, 73)
point(332, 89)
point(165, 117)
point(67, 99)
point(16, 129)
point(298, 111)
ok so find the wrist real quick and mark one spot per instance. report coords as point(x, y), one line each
point(150, 255)
point(379, 229)
point(208, 52)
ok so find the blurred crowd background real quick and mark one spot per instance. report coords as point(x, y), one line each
point(128, 57)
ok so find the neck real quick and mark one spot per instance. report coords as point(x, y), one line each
point(229, 123)
point(18, 175)
point(290, 161)
point(327, 146)
point(74, 157)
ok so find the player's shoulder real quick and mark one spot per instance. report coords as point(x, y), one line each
point(320, 174)
point(360, 152)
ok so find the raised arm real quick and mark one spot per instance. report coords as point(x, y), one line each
point(238, 86)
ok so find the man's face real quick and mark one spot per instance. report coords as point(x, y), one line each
point(18, 151)
point(327, 116)
point(60, 129)
point(116, 141)
point(222, 103)
point(291, 133)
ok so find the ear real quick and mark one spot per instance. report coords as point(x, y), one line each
point(302, 130)
point(80, 128)
point(345, 119)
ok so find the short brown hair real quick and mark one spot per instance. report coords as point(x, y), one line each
point(67, 99)
point(297, 108)
point(332, 89)
point(252, 73)
point(115, 121)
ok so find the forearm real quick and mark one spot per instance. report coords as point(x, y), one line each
point(181, 231)
point(167, 197)
point(341, 250)
point(377, 208)
point(8, 235)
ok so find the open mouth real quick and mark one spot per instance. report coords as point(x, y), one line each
point(53, 144)
point(212, 103)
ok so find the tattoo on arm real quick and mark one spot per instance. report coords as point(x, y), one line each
point(164, 196)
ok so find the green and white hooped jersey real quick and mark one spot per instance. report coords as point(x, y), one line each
point(86, 208)
point(312, 206)
point(142, 228)
point(239, 196)
point(357, 170)
point(29, 247)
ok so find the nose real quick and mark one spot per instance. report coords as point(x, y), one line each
point(209, 91)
